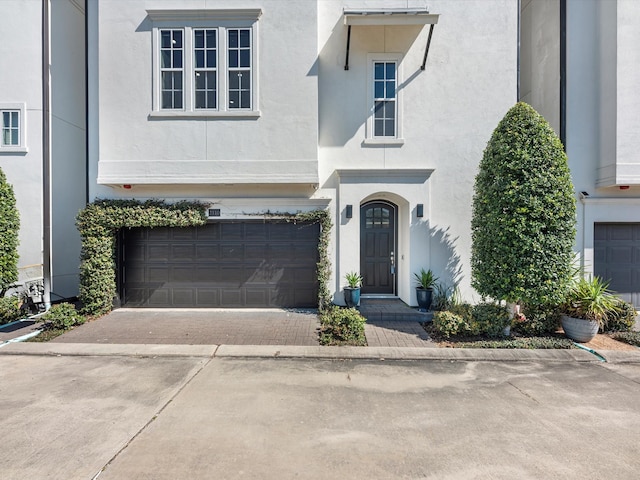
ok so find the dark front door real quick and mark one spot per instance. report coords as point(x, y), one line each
point(377, 247)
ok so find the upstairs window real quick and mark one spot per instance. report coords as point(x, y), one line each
point(384, 124)
point(384, 101)
point(205, 62)
point(12, 128)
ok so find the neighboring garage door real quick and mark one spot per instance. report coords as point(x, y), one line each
point(223, 264)
point(617, 258)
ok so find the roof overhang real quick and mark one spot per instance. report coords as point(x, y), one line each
point(390, 16)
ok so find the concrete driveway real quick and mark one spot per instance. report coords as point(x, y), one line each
point(163, 417)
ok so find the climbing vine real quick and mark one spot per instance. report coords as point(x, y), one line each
point(100, 221)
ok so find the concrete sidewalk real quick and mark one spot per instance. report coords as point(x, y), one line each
point(268, 334)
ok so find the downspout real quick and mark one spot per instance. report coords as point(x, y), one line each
point(46, 153)
point(518, 56)
point(86, 99)
point(563, 73)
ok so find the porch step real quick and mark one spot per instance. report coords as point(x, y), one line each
point(391, 310)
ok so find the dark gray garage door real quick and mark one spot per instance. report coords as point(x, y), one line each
point(224, 264)
point(617, 257)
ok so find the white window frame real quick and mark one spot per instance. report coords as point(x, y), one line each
point(371, 139)
point(189, 21)
point(21, 109)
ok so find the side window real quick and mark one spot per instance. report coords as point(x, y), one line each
point(12, 128)
point(384, 124)
point(239, 50)
point(171, 68)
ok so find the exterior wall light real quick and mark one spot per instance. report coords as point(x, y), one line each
point(420, 210)
point(349, 211)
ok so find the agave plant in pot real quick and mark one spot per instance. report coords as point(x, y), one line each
point(426, 280)
point(587, 307)
point(352, 290)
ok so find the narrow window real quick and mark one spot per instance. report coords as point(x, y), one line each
point(171, 69)
point(206, 68)
point(10, 128)
point(239, 64)
point(384, 101)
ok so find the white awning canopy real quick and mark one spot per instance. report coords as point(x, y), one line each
point(390, 16)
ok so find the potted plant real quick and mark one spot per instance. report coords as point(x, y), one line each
point(587, 307)
point(352, 290)
point(424, 292)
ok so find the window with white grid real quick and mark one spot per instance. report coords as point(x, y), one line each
point(205, 65)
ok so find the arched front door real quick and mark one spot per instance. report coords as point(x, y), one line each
point(378, 247)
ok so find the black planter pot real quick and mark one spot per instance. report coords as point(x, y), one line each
point(352, 296)
point(424, 296)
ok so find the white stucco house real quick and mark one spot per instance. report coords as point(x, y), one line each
point(579, 69)
point(377, 112)
point(42, 146)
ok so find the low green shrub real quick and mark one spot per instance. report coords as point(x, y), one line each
point(527, 342)
point(622, 318)
point(537, 320)
point(62, 316)
point(448, 323)
point(342, 326)
point(9, 309)
point(489, 319)
point(464, 319)
point(632, 338)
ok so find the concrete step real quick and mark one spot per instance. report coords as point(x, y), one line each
point(392, 310)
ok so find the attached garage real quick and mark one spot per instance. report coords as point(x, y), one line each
point(222, 264)
point(617, 258)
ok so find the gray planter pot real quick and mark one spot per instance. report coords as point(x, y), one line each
point(579, 329)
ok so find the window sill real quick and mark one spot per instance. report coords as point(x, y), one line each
point(204, 114)
point(13, 150)
point(393, 142)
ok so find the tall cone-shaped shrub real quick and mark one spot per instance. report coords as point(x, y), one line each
point(523, 224)
point(9, 227)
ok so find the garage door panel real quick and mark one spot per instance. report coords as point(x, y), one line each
point(182, 253)
point(231, 297)
point(156, 234)
point(256, 297)
point(232, 231)
point(226, 264)
point(158, 252)
point(160, 297)
point(207, 297)
point(233, 252)
point(617, 257)
point(183, 297)
point(211, 233)
point(182, 274)
point(157, 274)
point(207, 252)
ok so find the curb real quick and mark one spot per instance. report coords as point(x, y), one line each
point(101, 349)
point(404, 353)
point(317, 352)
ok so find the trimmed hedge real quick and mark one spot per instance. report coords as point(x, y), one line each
point(523, 221)
point(9, 228)
point(100, 221)
point(342, 326)
point(9, 309)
